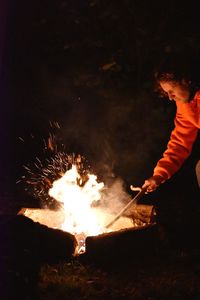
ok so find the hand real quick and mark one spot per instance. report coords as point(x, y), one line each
point(152, 183)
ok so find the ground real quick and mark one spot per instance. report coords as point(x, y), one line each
point(157, 280)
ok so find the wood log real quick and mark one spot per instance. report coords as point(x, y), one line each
point(141, 213)
point(135, 244)
point(25, 246)
point(44, 244)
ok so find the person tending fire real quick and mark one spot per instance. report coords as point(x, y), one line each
point(178, 79)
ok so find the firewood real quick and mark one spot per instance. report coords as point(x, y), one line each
point(141, 213)
point(22, 235)
point(136, 243)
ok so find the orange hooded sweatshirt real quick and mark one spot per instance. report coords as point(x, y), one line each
point(179, 147)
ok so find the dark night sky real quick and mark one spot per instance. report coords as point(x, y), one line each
point(88, 65)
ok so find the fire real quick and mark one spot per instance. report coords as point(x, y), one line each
point(80, 216)
point(83, 198)
point(87, 205)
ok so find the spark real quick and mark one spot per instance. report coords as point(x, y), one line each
point(21, 139)
point(40, 174)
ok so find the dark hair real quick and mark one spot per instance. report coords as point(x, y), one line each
point(177, 67)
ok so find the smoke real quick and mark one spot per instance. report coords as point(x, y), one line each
point(118, 131)
point(123, 134)
point(114, 196)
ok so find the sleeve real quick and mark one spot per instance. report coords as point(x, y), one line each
point(178, 149)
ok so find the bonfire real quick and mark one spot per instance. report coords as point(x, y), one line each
point(86, 205)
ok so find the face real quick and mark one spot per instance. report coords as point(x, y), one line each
point(177, 91)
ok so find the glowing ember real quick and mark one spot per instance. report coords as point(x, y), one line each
point(80, 217)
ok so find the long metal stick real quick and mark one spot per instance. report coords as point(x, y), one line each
point(133, 201)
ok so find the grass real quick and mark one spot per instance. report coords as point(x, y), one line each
point(171, 279)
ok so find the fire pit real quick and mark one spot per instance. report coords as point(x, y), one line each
point(88, 207)
point(136, 218)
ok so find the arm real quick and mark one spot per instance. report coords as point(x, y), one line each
point(178, 149)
